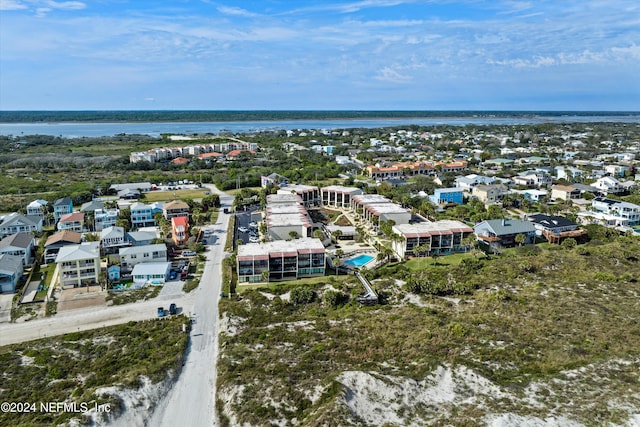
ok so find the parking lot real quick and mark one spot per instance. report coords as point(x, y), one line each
point(243, 229)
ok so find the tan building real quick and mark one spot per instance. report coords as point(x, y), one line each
point(490, 194)
point(564, 192)
point(79, 265)
point(174, 209)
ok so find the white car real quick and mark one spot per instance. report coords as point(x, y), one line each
point(243, 229)
point(188, 253)
point(253, 224)
point(254, 239)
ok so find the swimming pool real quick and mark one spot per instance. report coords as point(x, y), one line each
point(360, 260)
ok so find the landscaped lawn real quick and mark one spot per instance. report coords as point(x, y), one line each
point(164, 196)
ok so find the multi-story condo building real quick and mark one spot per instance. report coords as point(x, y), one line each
point(309, 194)
point(374, 208)
point(280, 260)
point(337, 196)
point(429, 238)
point(397, 170)
point(285, 215)
point(79, 265)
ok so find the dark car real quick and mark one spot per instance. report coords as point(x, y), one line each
point(173, 309)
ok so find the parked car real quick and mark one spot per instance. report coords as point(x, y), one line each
point(254, 239)
point(188, 253)
point(243, 229)
point(173, 309)
point(161, 312)
point(253, 224)
point(173, 275)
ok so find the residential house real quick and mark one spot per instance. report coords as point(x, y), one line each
point(133, 255)
point(490, 194)
point(180, 230)
point(533, 178)
point(129, 194)
point(112, 239)
point(436, 238)
point(444, 196)
point(628, 212)
point(498, 233)
point(142, 215)
point(617, 170)
point(62, 207)
point(141, 238)
point(73, 221)
point(56, 241)
point(79, 265)
point(609, 185)
point(20, 245)
point(280, 260)
point(337, 196)
point(274, 179)
point(113, 273)
point(556, 228)
point(17, 223)
point(37, 208)
point(467, 182)
point(569, 173)
point(92, 206)
point(174, 209)
point(11, 271)
point(104, 218)
point(155, 273)
point(142, 187)
point(564, 192)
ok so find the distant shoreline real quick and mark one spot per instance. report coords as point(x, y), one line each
point(177, 116)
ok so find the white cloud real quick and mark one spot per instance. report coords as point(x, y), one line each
point(66, 5)
point(236, 11)
point(41, 12)
point(12, 5)
point(389, 74)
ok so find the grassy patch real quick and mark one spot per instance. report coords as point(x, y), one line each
point(126, 297)
point(530, 316)
point(71, 367)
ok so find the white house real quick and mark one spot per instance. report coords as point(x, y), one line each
point(155, 273)
point(609, 185)
point(133, 255)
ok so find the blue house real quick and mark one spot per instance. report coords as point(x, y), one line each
point(113, 273)
point(62, 207)
point(443, 196)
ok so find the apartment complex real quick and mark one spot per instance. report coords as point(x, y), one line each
point(280, 260)
point(431, 238)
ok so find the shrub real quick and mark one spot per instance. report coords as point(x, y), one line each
point(302, 295)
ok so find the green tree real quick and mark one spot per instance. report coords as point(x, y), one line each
point(520, 239)
point(569, 243)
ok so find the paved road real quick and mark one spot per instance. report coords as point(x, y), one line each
point(191, 401)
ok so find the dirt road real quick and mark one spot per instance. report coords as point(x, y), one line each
point(191, 401)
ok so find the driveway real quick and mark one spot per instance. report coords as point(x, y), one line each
point(5, 307)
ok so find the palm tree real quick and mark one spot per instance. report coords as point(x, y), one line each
point(520, 239)
point(318, 234)
point(293, 235)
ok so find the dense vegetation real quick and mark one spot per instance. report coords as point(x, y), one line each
point(70, 368)
point(532, 315)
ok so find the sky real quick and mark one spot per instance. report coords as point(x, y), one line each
point(320, 55)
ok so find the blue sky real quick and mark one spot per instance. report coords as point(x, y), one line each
point(320, 55)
